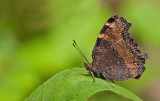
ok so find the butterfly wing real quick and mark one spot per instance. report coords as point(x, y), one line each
point(116, 55)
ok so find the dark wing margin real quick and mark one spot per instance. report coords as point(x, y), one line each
point(141, 57)
point(104, 28)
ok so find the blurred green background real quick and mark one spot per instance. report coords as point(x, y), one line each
point(36, 42)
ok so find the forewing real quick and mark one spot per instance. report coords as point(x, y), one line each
point(116, 54)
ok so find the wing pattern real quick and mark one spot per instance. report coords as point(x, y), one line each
point(116, 55)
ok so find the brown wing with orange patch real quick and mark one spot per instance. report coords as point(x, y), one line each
point(116, 55)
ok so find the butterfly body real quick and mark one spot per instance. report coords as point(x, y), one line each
point(116, 56)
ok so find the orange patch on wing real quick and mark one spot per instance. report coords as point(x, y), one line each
point(100, 35)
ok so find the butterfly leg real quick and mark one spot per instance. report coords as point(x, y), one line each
point(92, 75)
point(107, 79)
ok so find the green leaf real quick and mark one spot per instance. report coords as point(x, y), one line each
point(74, 85)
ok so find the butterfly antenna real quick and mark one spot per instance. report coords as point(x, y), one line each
point(79, 50)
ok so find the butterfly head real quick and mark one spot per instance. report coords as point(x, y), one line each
point(88, 65)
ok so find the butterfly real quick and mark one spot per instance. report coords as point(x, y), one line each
point(116, 56)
